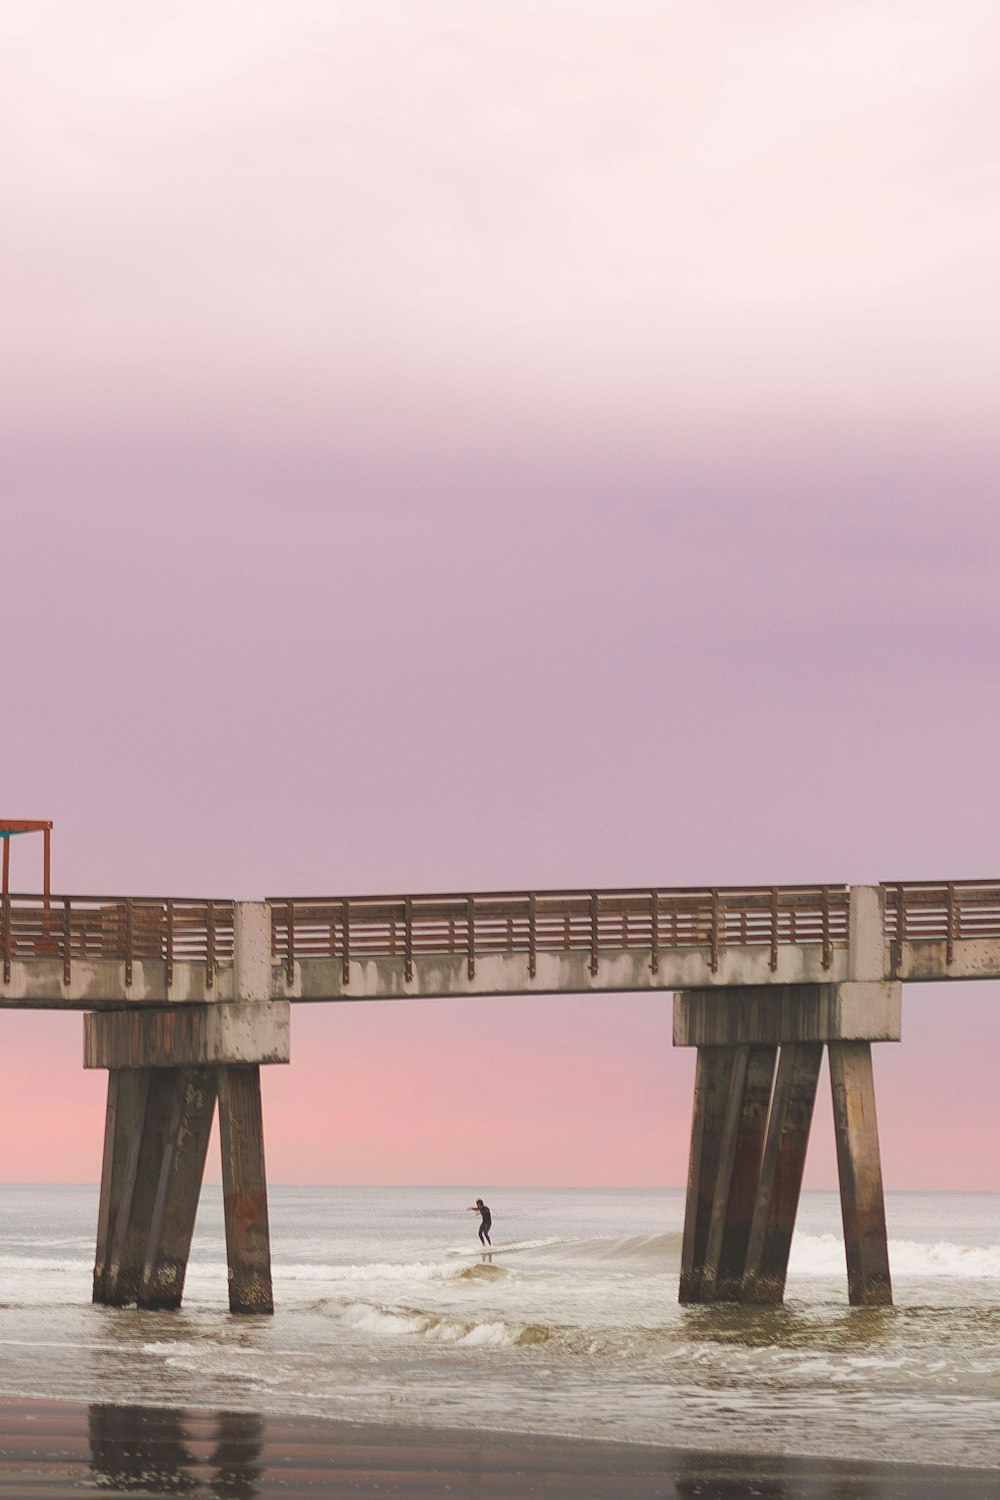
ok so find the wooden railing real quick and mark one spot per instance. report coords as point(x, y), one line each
point(116, 927)
point(947, 912)
point(406, 927)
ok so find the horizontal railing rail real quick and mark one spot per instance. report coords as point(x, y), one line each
point(473, 925)
point(935, 911)
point(124, 928)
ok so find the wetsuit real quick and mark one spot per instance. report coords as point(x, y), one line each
point(484, 1228)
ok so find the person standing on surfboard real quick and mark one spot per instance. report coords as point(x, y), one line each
point(479, 1207)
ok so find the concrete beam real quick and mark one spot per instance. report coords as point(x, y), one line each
point(557, 973)
point(99, 983)
point(188, 1036)
point(926, 959)
point(768, 1015)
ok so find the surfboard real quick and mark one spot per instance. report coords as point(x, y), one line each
point(500, 1249)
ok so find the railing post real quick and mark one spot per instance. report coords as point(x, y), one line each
point(950, 950)
point(715, 932)
point(128, 943)
point(408, 939)
point(471, 932)
point(532, 936)
point(654, 932)
point(825, 908)
point(593, 932)
point(210, 956)
point(67, 962)
point(774, 929)
point(290, 942)
point(345, 942)
point(6, 932)
point(169, 955)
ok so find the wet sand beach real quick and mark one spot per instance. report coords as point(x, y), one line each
point(49, 1450)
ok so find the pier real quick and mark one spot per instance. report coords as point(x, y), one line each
point(184, 1001)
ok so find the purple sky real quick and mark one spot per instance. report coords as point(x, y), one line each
point(456, 446)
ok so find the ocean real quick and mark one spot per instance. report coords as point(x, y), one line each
point(387, 1313)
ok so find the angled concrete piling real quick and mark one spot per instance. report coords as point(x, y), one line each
point(739, 1173)
point(714, 1080)
point(781, 1171)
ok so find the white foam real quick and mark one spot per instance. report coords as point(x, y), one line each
point(823, 1255)
point(374, 1271)
point(438, 1328)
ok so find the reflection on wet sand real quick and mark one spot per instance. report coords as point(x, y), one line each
point(162, 1452)
point(758, 1477)
point(143, 1449)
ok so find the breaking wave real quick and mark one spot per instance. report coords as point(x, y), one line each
point(823, 1255)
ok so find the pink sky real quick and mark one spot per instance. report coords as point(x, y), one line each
point(454, 446)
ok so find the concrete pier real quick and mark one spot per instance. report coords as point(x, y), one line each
point(166, 1068)
point(186, 1000)
point(751, 1123)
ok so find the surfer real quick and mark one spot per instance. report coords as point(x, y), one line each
point(479, 1207)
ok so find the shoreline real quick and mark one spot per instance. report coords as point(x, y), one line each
point(55, 1449)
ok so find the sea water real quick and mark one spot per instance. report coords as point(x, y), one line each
point(387, 1312)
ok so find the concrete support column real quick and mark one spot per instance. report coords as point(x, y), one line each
point(147, 1148)
point(156, 1137)
point(860, 1167)
point(739, 1172)
point(714, 1078)
point(128, 1091)
point(781, 1172)
point(244, 1186)
point(182, 1167)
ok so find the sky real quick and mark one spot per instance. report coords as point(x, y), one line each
point(468, 446)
